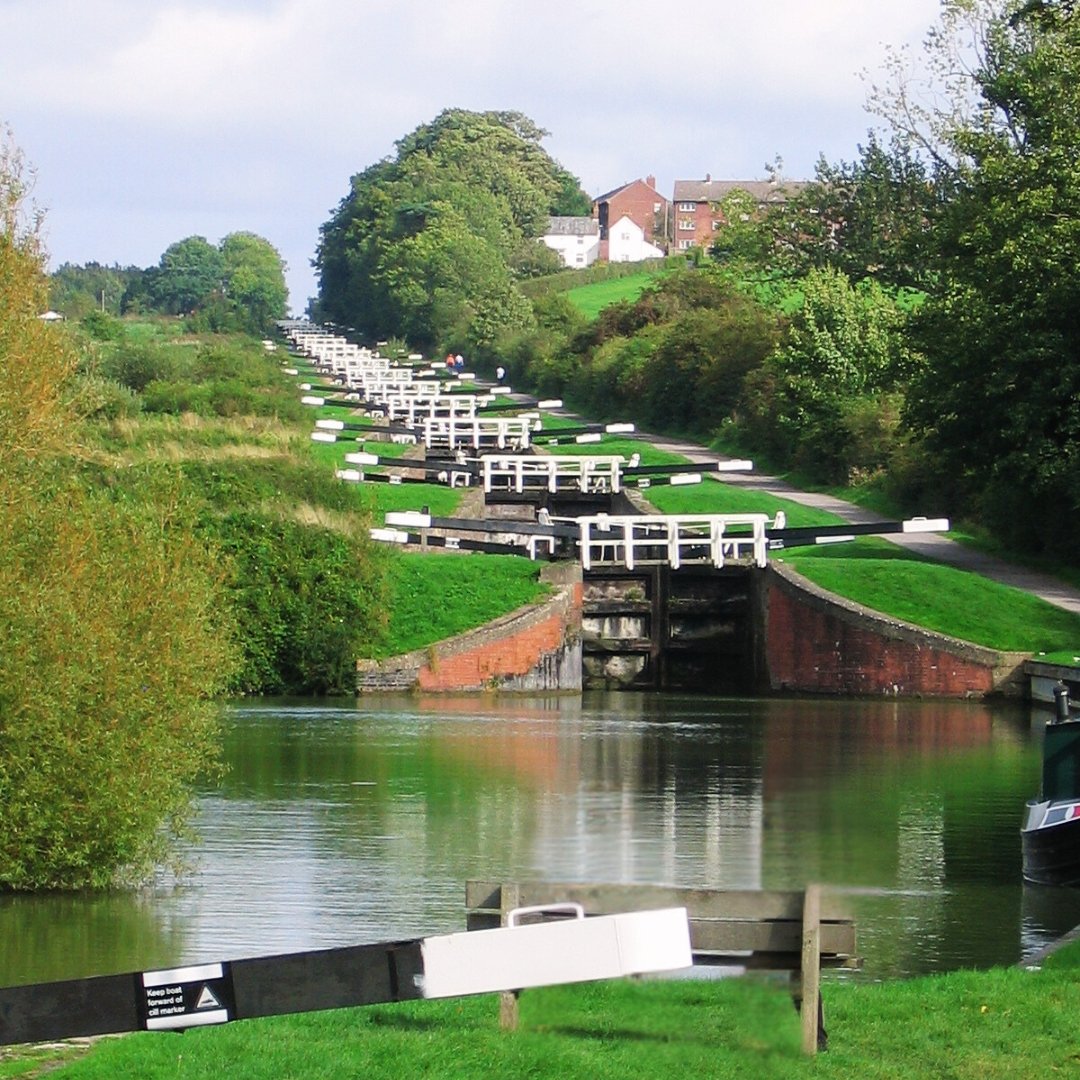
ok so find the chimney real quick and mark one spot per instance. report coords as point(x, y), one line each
point(708, 178)
point(651, 181)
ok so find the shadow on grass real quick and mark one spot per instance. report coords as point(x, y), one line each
point(413, 1023)
point(630, 1035)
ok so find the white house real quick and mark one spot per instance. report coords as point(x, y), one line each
point(576, 239)
point(626, 243)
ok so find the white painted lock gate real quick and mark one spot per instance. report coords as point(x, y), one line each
point(579, 949)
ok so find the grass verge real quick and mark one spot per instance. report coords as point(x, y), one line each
point(888, 579)
point(1002, 1023)
point(436, 596)
point(941, 598)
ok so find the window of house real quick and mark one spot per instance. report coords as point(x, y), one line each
point(684, 244)
point(687, 207)
point(686, 224)
point(656, 207)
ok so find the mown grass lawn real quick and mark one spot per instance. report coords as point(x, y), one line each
point(610, 446)
point(590, 300)
point(711, 497)
point(942, 598)
point(1061, 656)
point(971, 1025)
point(435, 596)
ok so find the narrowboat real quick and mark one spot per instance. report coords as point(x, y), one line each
point(1050, 834)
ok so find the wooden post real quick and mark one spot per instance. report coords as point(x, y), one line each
point(509, 898)
point(811, 968)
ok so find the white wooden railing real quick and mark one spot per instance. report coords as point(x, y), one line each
point(477, 432)
point(505, 472)
point(678, 540)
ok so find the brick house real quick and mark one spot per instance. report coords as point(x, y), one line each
point(641, 203)
point(696, 214)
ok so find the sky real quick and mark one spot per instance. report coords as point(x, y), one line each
point(148, 122)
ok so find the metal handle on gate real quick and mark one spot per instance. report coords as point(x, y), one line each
point(568, 908)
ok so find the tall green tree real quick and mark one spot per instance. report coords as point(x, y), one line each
point(429, 244)
point(254, 279)
point(866, 218)
point(999, 402)
point(190, 273)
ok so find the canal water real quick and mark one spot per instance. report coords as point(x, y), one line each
point(348, 822)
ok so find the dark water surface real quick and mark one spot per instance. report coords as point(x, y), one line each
point(348, 822)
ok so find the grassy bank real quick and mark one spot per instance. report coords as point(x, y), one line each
point(311, 593)
point(590, 300)
point(1002, 1023)
point(893, 581)
point(438, 596)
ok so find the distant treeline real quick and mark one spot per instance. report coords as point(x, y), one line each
point(236, 285)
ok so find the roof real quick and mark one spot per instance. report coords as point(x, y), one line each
point(622, 187)
point(573, 226)
point(763, 191)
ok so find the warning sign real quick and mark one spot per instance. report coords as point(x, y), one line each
point(186, 997)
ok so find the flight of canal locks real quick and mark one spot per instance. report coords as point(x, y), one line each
point(820, 744)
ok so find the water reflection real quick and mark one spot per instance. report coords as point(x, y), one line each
point(351, 822)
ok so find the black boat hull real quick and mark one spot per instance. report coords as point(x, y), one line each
point(1051, 843)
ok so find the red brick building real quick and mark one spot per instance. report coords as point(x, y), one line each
point(641, 203)
point(696, 213)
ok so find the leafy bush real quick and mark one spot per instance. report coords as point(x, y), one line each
point(826, 399)
point(138, 364)
point(694, 378)
point(675, 359)
point(242, 483)
point(308, 602)
point(101, 326)
point(105, 399)
point(115, 642)
point(221, 377)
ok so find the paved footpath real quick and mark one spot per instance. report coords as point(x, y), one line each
point(932, 545)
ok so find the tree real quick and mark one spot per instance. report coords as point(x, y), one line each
point(999, 402)
point(429, 244)
point(78, 290)
point(191, 271)
point(866, 218)
point(114, 642)
point(841, 359)
point(742, 236)
point(254, 276)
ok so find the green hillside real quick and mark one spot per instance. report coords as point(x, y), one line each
point(591, 299)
